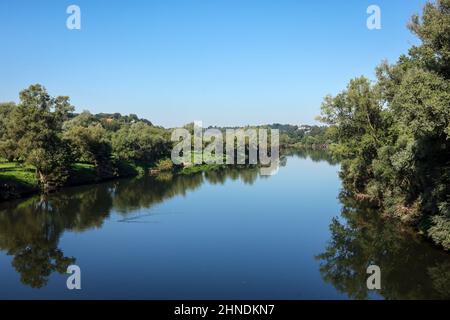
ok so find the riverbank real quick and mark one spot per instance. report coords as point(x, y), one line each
point(19, 181)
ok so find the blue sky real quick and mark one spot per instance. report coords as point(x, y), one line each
point(225, 62)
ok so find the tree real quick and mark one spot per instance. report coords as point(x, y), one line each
point(84, 119)
point(92, 145)
point(433, 29)
point(355, 117)
point(141, 142)
point(36, 125)
point(8, 146)
point(395, 134)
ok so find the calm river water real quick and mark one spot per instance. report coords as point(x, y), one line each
point(229, 234)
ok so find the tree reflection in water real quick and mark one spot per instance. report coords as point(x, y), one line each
point(410, 267)
point(30, 229)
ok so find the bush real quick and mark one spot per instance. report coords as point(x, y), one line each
point(164, 165)
point(440, 231)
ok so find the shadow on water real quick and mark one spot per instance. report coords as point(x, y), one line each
point(410, 267)
point(316, 155)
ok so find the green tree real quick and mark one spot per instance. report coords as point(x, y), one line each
point(395, 134)
point(84, 119)
point(8, 146)
point(141, 142)
point(433, 29)
point(91, 144)
point(36, 125)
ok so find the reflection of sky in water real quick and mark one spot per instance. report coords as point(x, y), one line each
point(234, 240)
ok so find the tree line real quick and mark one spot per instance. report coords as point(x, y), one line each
point(296, 136)
point(394, 133)
point(45, 133)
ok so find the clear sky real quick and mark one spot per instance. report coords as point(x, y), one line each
point(225, 62)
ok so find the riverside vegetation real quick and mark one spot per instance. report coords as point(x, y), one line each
point(45, 145)
point(394, 133)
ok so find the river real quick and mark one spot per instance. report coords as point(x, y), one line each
point(229, 234)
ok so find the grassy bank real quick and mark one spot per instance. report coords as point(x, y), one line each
point(200, 168)
point(17, 180)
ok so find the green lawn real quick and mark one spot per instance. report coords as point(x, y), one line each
point(16, 180)
point(10, 171)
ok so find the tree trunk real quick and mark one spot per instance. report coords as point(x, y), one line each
point(46, 184)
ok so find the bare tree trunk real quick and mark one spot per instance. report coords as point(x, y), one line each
point(46, 184)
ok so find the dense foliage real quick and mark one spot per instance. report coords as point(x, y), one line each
point(395, 133)
point(32, 133)
point(43, 132)
point(303, 136)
